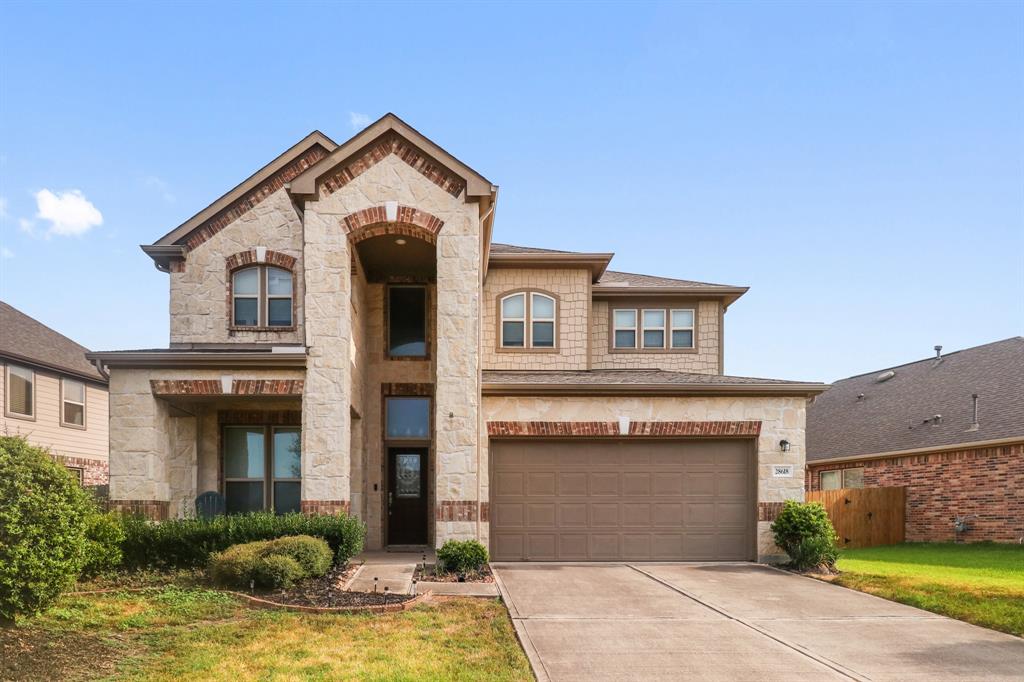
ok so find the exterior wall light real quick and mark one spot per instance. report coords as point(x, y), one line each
point(784, 445)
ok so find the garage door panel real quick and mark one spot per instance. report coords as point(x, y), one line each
point(622, 500)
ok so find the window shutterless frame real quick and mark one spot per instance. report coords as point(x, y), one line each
point(681, 321)
point(267, 291)
point(72, 403)
point(534, 315)
point(653, 322)
point(390, 350)
point(278, 290)
point(639, 329)
point(270, 473)
point(624, 320)
point(19, 392)
point(507, 315)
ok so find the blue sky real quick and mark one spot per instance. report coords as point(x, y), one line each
point(859, 166)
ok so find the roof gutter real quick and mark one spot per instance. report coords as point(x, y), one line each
point(23, 360)
point(597, 262)
point(163, 254)
point(190, 360)
point(728, 294)
point(664, 390)
point(970, 445)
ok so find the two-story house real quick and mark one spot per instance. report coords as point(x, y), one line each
point(346, 337)
point(52, 395)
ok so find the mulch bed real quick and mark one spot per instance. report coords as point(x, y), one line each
point(327, 592)
point(484, 575)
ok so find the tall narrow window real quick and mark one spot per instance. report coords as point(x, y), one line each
point(73, 402)
point(279, 298)
point(261, 296)
point(287, 467)
point(245, 287)
point(21, 393)
point(407, 321)
point(624, 322)
point(682, 328)
point(654, 328)
point(542, 321)
point(513, 321)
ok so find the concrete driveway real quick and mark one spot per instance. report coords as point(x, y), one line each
point(734, 622)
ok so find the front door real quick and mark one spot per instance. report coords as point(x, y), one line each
point(407, 496)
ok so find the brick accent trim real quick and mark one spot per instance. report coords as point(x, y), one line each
point(94, 471)
point(768, 511)
point(456, 510)
point(389, 144)
point(275, 258)
point(246, 203)
point(251, 387)
point(324, 507)
point(397, 389)
point(409, 222)
point(155, 510)
point(719, 429)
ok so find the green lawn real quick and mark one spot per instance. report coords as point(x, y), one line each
point(979, 583)
point(173, 633)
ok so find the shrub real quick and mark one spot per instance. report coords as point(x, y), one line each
point(188, 543)
point(43, 514)
point(271, 563)
point(462, 556)
point(804, 532)
point(103, 537)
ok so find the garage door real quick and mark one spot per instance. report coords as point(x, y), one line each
point(622, 500)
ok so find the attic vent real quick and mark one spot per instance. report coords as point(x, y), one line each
point(885, 376)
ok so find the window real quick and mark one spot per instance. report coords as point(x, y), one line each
point(841, 478)
point(625, 328)
point(407, 418)
point(72, 412)
point(407, 322)
point(262, 469)
point(653, 328)
point(21, 393)
point(261, 296)
point(528, 320)
point(77, 473)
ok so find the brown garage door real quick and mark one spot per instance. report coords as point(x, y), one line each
point(622, 500)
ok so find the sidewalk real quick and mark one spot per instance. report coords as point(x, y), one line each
point(395, 570)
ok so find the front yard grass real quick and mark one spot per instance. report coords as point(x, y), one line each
point(980, 583)
point(173, 633)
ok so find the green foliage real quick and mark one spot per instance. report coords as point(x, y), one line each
point(103, 537)
point(43, 514)
point(188, 543)
point(462, 556)
point(271, 563)
point(805, 533)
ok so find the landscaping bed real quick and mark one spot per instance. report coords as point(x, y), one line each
point(327, 592)
point(432, 575)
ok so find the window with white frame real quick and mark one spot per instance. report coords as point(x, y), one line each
point(841, 478)
point(682, 328)
point(528, 320)
point(624, 323)
point(261, 296)
point(653, 329)
point(21, 392)
point(72, 409)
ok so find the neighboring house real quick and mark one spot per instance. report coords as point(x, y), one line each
point(346, 337)
point(949, 428)
point(53, 396)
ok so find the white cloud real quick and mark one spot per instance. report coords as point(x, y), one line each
point(6, 253)
point(27, 226)
point(69, 212)
point(358, 121)
point(161, 186)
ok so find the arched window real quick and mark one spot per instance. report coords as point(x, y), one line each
point(528, 320)
point(261, 296)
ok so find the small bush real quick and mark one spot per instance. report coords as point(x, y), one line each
point(43, 514)
point(805, 533)
point(189, 543)
point(271, 563)
point(463, 556)
point(103, 537)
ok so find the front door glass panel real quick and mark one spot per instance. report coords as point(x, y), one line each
point(407, 475)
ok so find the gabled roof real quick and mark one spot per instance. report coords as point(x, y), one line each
point(24, 339)
point(882, 413)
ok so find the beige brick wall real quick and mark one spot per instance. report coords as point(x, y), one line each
point(571, 287)
point(199, 308)
point(707, 333)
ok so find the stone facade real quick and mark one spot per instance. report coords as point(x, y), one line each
point(985, 482)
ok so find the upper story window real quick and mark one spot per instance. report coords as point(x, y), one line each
point(21, 392)
point(528, 320)
point(261, 296)
point(72, 396)
point(652, 329)
point(407, 322)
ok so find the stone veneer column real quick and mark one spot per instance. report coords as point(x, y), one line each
point(457, 390)
point(325, 400)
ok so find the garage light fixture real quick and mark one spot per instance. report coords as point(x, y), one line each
point(784, 445)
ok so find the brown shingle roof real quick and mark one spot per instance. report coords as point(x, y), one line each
point(612, 278)
point(898, 413)
point(511, 248)
point(23, 338)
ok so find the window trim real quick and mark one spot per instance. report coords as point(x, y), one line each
point(85, 400)
point(388, 438)
point(672, 328)
point(7, 393)
point(268, 479)
point(527, 321)
point(387, 322)
point(263, 297)
point(842, 477)
point(267, 296)
point(638, 309)
point(644, 328)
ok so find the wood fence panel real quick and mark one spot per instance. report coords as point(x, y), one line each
point(865, 517)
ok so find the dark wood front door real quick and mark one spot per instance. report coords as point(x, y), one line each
point(407, 496)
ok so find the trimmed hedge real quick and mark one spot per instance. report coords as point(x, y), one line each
point(805, 533)
point(104, 534)
point(43, 516)
point(188, 543)
point(462, 556)
point(271, 563)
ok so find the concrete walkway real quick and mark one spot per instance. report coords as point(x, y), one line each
point(395, 571)
point(734, 622)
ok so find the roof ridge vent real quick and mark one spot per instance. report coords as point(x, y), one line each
point(885, 376)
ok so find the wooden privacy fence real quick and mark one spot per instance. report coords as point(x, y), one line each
point(865, 517)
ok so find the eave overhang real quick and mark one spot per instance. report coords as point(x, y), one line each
point(193, 359)
point(57, 369)
point(663, 390)
point(597, 263)
point(728, 295)
point(953, 447)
